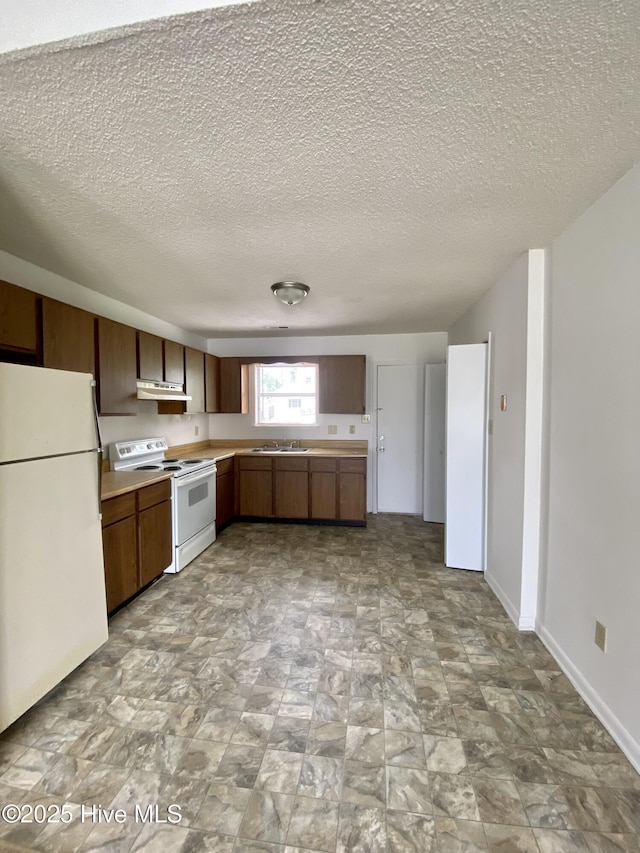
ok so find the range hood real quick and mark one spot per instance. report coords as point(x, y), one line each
point(160, 391)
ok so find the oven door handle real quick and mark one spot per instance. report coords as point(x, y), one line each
point(190, 479)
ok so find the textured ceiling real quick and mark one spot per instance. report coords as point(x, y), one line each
point(395, 156)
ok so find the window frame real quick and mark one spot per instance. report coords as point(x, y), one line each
point(255, 396)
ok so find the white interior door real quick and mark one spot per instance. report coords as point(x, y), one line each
point(435, 418)
point(399, 423)
point(465, 456)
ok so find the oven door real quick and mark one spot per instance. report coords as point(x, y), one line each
point(194, 503)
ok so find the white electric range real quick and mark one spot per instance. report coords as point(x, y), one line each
point(193, 493)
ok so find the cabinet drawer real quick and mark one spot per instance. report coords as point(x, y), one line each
point(353, 466)
point(254, 463)
point(153, 494)
point(118, 508)
point(290, 464)
point(322, 463)
point(224, 466)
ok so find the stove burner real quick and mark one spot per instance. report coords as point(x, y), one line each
point(192, 461)
point(148, 468)
point(170, 461)
point(171, 468)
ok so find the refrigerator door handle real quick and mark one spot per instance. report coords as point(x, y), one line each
point(99, 448)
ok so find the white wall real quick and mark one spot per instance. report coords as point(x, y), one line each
point(179, 429)
point(503, 312)
point(427, 348)
point(31, 22)
point(592, 545)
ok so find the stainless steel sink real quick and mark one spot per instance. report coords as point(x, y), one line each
point(267, 449)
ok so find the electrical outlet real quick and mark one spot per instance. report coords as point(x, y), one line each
point(490, 427)
point(365, 419)
point(196, 430)
point(333, 429)
point(600, 638)
point(352, 429)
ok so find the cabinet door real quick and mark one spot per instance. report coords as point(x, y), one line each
point(323, 494)
point(150, 365)
point(155, 541)
point(352, 497)
point(224, 499)
point(120, 561)
point(256, 496)
point(342, 384)
point(194, 379)
point(291, 494)
point(173, 362)
point(231, 396)
point(116, 367)
point(18, 318)
point(212, 383)
point(67, 337)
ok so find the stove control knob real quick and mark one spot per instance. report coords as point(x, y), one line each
point(150, 445)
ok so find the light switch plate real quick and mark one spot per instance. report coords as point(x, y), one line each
point(365, 419)
point(333, 429)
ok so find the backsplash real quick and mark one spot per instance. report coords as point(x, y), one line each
point(178, 429)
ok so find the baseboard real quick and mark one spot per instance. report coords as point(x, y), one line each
point(627, 743)
point(503, 598)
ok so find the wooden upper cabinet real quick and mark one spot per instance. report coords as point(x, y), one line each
point(19, 309)
point(194, 379)
point(150, 361)
point(211, 383)
point(67, 337)
point(116, 367)
point(342, 384)
point(232, 393)
point(173, 362)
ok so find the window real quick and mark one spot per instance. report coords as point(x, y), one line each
point(285, 394)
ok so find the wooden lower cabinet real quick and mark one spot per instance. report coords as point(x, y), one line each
point(120, 561)
point(225, 491)
point(352, 499)
point(154, 541)
point(352, 489)
point(322, 487)
point(319, 488)
point(338, 488)
point(291, 488)
point(137, 540)
point(256, 493)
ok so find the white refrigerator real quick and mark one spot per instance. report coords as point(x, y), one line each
point(53, 611)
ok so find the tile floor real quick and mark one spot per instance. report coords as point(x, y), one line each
point(321, 689)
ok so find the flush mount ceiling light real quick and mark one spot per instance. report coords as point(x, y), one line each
point(289, 292)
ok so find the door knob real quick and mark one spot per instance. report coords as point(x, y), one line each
point(381, 450)
point(380, 438)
